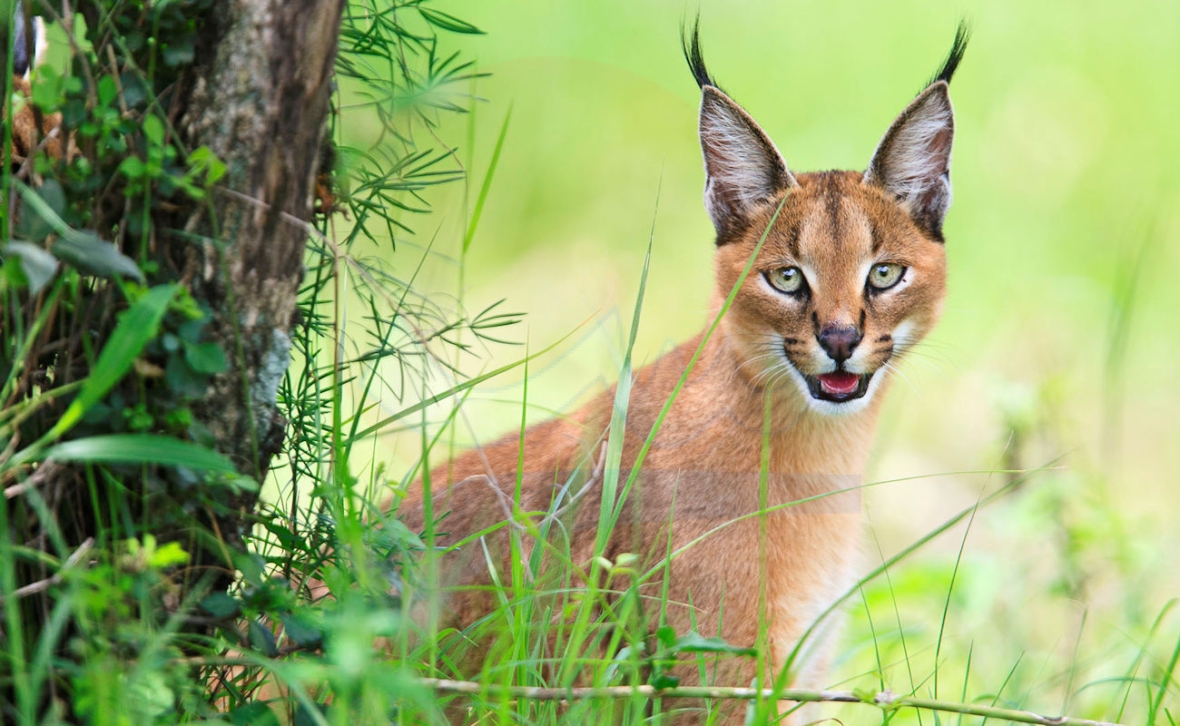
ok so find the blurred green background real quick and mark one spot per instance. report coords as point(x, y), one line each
point(1059, 338)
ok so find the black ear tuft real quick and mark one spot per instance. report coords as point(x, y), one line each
point(21, 40)
point(958, 48)
point(692, 53)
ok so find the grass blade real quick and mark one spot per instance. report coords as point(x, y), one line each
point(136, 328)
point(486, 186)
point(140, 448)
point(471, 382)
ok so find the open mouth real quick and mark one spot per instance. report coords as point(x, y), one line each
point(838, 386)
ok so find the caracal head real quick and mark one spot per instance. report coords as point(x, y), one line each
point(852, 270)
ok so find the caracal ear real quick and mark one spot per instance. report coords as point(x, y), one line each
point(742, 166)
point(913, 160)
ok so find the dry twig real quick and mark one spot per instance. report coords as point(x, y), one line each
point(885, 700)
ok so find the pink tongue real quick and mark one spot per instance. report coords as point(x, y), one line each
point(839, 383)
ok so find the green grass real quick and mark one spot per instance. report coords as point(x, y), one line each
point(1043, 351)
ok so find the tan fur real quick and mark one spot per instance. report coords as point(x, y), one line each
point(706, 457)
point(701, 478)
point(26, 134)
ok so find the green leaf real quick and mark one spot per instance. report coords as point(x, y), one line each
point(221, 605)
point(92, 256)
point(140, 449)
point(300, 631)
point(396, 531)
point(203, 159)
point(153, 129)
point(694, 642)
point(167, 555)
point(179, 52)
point(38, 266)
point(262, 639)
point(255, 713)
point(439, 19)
point(33, 227)
point(182, 379)
point(135, 328)
point(239, 484)
point(666, 636)
point(11, 273)
point(47, 88)
point(82, 249)
point(205, 358)
point(108, 90)
point(132, 168)
point(252, 567)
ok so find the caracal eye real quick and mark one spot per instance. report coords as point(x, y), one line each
point(885, 275)
point(786, 279)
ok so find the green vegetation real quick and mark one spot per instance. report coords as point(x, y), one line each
point(538, 157)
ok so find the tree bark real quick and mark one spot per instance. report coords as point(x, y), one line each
point(260, 103)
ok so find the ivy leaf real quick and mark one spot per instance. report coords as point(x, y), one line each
point(38, 266)
point(207, 358)
point(134, 90)
point(132, 167)
point(182, 379)
point(108, 90)
point(203, 159)
point(153, 129)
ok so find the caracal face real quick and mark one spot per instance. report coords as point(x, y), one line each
point(843, 285)
point(849, 267)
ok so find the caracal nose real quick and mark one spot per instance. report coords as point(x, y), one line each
point(838, 341)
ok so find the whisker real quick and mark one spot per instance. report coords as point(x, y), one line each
point(893, 369)
point(927, 357)
point(769, 373)
point(757, 358)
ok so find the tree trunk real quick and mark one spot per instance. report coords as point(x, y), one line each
point(260, 104)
